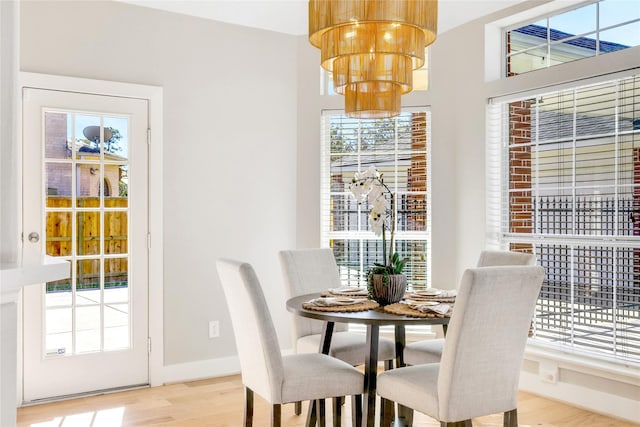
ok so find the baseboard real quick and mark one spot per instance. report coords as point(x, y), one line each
point(586, 398)
point(598, 387)
point(200, 369)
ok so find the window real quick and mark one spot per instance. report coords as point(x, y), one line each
point(594, 29)
point(399, 148)
point(570, 162)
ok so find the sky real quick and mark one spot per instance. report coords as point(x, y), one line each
point(84, 120)
point(612, 12)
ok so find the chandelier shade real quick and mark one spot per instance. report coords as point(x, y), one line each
point(378, 37)
point(372, 100)
point(371, 47)
point(383, 67)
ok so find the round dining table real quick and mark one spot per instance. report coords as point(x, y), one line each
point(372, 319)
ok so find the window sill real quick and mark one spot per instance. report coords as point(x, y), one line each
point(584, 364)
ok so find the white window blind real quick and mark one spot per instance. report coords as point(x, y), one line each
point(399, 148)
point(569, 177)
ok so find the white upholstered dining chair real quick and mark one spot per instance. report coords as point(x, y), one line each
point(276, 378)
point(315, 270)
point(430, 351)
point(482, 356)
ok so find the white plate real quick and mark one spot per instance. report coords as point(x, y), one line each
point(414, 302)
point(348, 291)
point(344, 300)
point(428, 292)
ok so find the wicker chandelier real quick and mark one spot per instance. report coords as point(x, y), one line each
point(372, 47)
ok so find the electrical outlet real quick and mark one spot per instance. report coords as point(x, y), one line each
point(548, 371)
point(214, 329)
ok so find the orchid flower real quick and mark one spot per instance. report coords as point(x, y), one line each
point(369, 184)
point(376, 221)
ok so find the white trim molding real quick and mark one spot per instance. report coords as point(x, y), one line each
point(201, 369)
point(607, 388)
point(154, 95)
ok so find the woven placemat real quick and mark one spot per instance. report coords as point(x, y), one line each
point(404, 310)
point(361, 306)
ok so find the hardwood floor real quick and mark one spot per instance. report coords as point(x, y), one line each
point(217, 402)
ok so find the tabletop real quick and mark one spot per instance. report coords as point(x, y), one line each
point(370, 317)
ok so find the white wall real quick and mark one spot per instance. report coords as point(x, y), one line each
point(229, 145)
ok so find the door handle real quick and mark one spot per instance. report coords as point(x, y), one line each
point(34, 237)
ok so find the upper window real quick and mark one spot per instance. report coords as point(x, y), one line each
point(398, 147)
point(594, 29)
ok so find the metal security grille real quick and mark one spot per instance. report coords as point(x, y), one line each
point(399, 148)
point(571, 194)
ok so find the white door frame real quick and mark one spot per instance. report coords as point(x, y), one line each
point(154, 95)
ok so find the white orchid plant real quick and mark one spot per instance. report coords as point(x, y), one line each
point(369, 185)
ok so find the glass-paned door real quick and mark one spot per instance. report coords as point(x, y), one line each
point(85, 200)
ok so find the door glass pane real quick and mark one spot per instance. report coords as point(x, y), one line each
point(59, 233)
point(88, 233)
point(58, 184)
point(116, 273)
point(115, 232)
point(117, 146)
point(87, 328)
point(58, 331)
point(58, 139)
point(88, 184)
point(123, 185)
point(88, 282)
point(87, 133)
point(58, 293)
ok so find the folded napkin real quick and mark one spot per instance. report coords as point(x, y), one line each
point(333, 301)
point(441, 308)
point(441, 294)
point(451, 293)
point(347, 291)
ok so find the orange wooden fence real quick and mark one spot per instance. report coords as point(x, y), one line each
point(89, 230)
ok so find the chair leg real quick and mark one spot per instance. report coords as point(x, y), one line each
point(387, 409)
point(356, 410)
point(406, 415)
point(322, 420)
point(248, 407)
point(511, 418)
point(297, 408)
point(386, 412)
point(276, 416)
point(337, 411)
point(312, 414)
